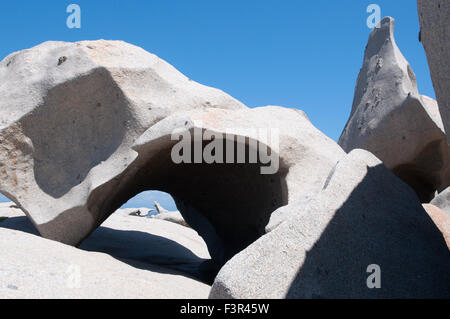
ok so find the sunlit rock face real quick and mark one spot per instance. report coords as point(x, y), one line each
point(69, 115)
point(434, 18)
point(393, 121)
point(86, 126)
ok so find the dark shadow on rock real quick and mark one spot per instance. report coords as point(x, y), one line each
point(143, 250)
point(424, 178)
point(81, 130)
point(398, 235)
point(138, 249)
point(21, 223)
point(228, 204)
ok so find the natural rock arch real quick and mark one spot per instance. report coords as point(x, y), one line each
point(229, 204)
point(69, 177)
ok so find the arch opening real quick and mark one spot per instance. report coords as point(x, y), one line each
point(135, 235)
point(147, 200)
point(228, 204)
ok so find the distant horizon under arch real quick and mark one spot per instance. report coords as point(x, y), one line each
point(143, 199)
point(147, 198)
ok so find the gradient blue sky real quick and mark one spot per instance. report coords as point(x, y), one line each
point(294, 53)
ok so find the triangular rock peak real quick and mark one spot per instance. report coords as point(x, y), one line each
point(393, 121)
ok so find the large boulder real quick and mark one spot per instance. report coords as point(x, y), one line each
point(86, 126)
point(434, 17)
point(363, 218)
point(442, 200)
point(35, 267)
point(69, 114)
point(393, 121)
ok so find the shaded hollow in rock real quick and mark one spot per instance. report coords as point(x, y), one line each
point(229, 204)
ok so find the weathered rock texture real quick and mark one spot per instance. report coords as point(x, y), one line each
point(393, 121)
point(364, 215)
point(434, 17)
point(229, 204)
point(138, 212)
point(70, 114)
point(131, 258)
point(442, 200)
point(66, 129)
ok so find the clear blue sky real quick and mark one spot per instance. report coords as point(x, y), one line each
point(293, 53)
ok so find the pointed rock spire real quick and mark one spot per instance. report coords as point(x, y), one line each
point(393, 121)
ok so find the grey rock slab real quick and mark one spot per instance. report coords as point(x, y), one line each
point(164, 214)
point(363, 216)
point(69, 114)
